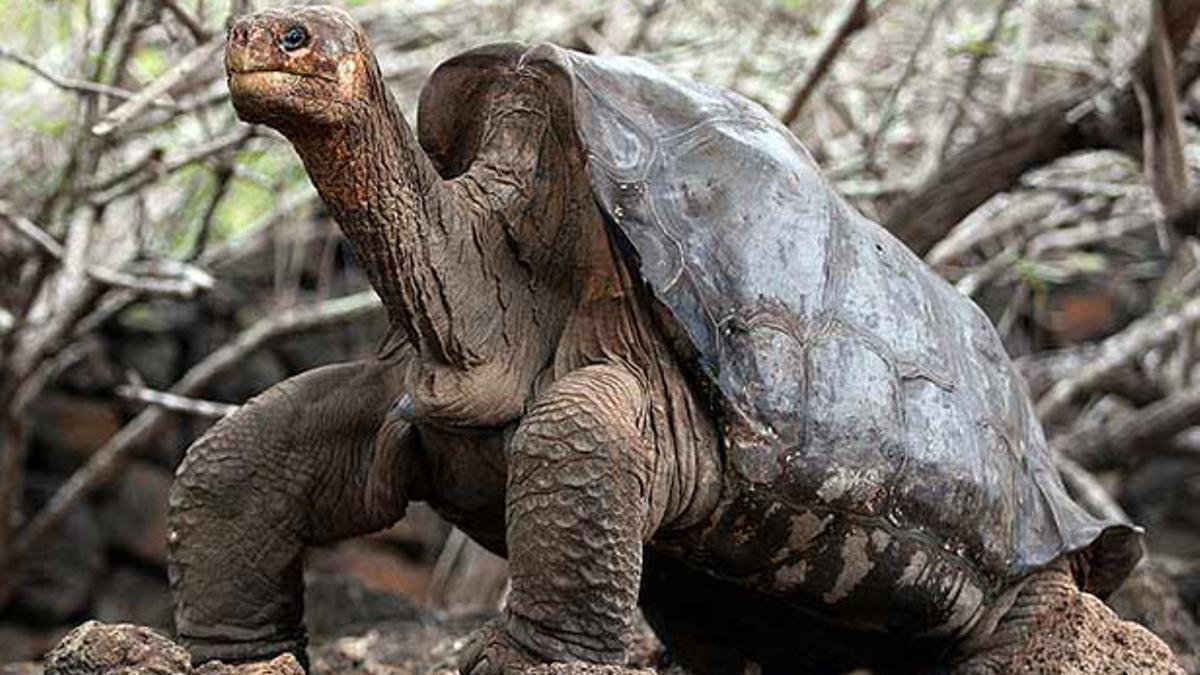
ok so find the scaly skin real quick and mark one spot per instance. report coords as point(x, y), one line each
point(1053, 628)
point(533, 384)
point(505, 285)
point(313, 459)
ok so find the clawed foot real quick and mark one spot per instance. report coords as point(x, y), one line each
point(492, 651)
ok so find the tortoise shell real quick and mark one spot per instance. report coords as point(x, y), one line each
point(844, 372)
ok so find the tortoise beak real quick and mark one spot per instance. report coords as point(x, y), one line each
point(248, 48)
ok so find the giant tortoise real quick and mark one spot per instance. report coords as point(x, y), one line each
point(640, 347)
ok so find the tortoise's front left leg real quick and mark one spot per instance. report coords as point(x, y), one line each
point(578, 512)
point(314, 459)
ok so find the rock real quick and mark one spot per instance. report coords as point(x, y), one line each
point(396, 648)
point(96, 648)
point(68, 429)
point(57, 583)
point(420, 643)
point(134, 513)
point(337, 605)
point(135, 595)
point(1082, 635)
point(19, 642)
point(120, 649)
point(1150, 598)
point(284, 664)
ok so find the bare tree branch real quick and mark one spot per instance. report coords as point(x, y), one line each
point(1162, 121)
point(197, 58)
point(199, 33)
point(79, 86)
point(189, 280)
point(854, 17)
point(1118, 442)
point(910, 68)
point(1118, 350)
point(102, 465)
point(945, 139)
point(1107, 117)
point(175, 402)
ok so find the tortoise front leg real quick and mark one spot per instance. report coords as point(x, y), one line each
point(578, 512)
point(314, 459)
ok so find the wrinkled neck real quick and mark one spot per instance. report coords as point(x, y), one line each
point(395, 209)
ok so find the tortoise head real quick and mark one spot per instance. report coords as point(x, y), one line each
point(299, 66)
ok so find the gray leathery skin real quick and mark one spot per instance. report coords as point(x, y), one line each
point(313, 459)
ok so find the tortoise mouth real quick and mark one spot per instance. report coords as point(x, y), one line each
point(258, 77)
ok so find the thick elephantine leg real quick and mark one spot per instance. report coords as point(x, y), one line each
point(578, 511)
point(1053, 628)
point(314, 459)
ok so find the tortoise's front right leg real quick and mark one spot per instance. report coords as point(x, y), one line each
point(314, 459)
point(580, 472)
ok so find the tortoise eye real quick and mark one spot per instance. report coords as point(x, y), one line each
point(295, 38)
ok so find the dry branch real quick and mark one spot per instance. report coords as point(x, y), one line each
point(1117, 351)
point(175, 402)
point(186, 283)
point(196, 59)
point(78, 86)
point(102, 465)
point(199, 33)
point(946, 137)
point(1090, 118)
point(853, 17)
point(910, 68)
point(1120, 441)
point(1162, 122)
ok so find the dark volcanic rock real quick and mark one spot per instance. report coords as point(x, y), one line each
point(134, 514)
point(125, 649)
point(135, 594)
point(58, 582)
point(95, 647)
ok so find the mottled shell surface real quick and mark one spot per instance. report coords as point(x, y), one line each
point(846, 374)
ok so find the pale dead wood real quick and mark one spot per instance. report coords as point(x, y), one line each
point(102, 464)
point(217, 146)
point(1162, 120)
point(79, 86)
point(198, 31)
point(187, 281)
point(855, 16)
point(1122, 440)
point(174, 402)
point(1120, 349)
point(1093, 117)
point(194, 60)
point(1017, 85)
point(910, 68)
point(1088, 491)
point(941, 144)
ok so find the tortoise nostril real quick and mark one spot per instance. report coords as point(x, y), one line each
point(239, 34)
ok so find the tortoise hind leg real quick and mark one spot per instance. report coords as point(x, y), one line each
point(1053, 628)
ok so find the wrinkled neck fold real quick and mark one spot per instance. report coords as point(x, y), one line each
point(396, 211)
